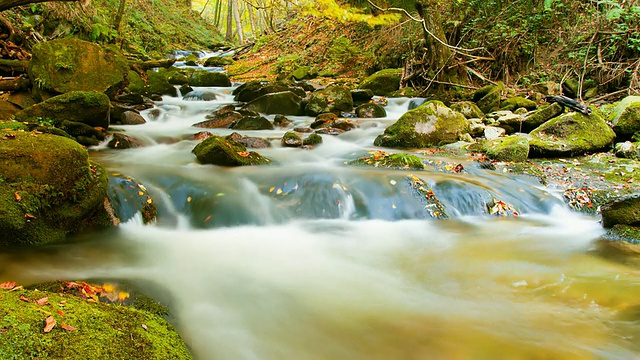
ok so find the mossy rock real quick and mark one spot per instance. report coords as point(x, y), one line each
point(624, 211)
point(312, 140)
point(508, 149)
point(571, 134)
point(218, 150)
point(625, 116)
point(254, 89)
point(253, 123)
point(467, 108)
point(88, 107)
point(532, 120)
point(571, 87)
point(430, 124)
point(371, 110)
point(217, 61)
point(7, 110)
point(333, 99)
point(282, 103)
point(291, 139)
point(383, 159)
point(191, 60)
point(158, 84)
point(64, 65)
point(304, 73)
point(136, 85)
point(48, 189)
point(361, 95)
point(208, 78)
point(95, 330)
point(491, 101)
point(383, 82)
point(518, 102)
point(404, 92)
point(628, 150)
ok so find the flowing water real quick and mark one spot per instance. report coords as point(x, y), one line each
point(308, 258)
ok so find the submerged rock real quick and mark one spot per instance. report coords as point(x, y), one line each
point(383, 82)
point(218, 150)
point(381, 158)
point(129, 197)
point(571, 134)
point(431, 124)
point(50, 189)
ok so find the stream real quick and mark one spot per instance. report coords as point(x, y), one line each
point(309, 258)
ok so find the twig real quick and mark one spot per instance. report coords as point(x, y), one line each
point(608, 95)
point(473, 72)
point(584, 66)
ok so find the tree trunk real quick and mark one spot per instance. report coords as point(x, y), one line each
point(229, 33)
point(238, 20)
point(437, 53)
point(118, 18)
point(253, 23)
point(14, 66)
point(217, 13)
point(15, 84)
point(8, 4)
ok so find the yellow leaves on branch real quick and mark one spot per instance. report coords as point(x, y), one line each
point(335, 11)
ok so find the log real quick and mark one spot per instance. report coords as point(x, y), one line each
point(150, 64)
point(8, 4)
point(14, 84)
point(14, 66)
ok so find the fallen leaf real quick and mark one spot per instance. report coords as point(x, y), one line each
point(68, 327)
point(243, 153)
point(8, 285)
point(24, 299)
point(50, 323)
point(43, 301)
point(60, 312)
point(144, 326)
point(18, 197)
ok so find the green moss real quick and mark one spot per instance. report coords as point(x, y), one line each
point(533, 120)
point(383, 82)
point(291, 139)
point(491, 101)
point(370, 110)
point(517, 102)
point(467, 108)
point(88, 107)
point(508, 149)
point(102, 331)
point(207, 78)
point(312, 140)
point(334, 99)
point(628, 122)
point(383, 159)
point(218, 150)
point(11, 125)
point(283, 103)
point(158, 84)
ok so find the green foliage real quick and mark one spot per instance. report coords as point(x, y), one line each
point(342, 50)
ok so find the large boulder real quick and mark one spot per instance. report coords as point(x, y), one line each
point(467, 108)
point(625, 117)
point(88, 107)
point(383, 82)
point(254, 89)
point(49, 189)
point(430, 124)
point(624, 211)
point(64, 65)
point(370, 110)
point(218, 61)
point(518, 102)
point(533, 119)
point(7, 110)
point(509, 149)
point(224, 151)
point(253, 123)
point(333, 99)
point(283, 103)
point(158, 84)
point(488, 98)
point(571, 134)
point(208, 78)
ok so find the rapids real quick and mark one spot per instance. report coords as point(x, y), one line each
point(308, 258)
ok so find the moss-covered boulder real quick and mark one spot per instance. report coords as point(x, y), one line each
point(48, 189)
point(136, 85)
point(361, 95)
point(208, 78)
point(250, 141)
point(218, 61)
point(430, 124)
point(536, 118)
point(625, 116)
point(291, 139)
point(254, 89)
point(218, 150)
point(83, 133)
point(121, 141)
point(304, 73)
point(283, 103)
point(333, 99)
point(571, 134)
point(624, 211)
point(88, 107)
point(158, 84)
point(628, 150)
point(508, 149)
point(64, 65)
point(381, 158)
point(383, 82)
point(489, 97)
point(371, 110)
point(82, 330)
point(7, 110)
point(518, 102)
point(571, 87)
point(222, 119)
point(312, 140)
point(467, 108)
point(253, 123)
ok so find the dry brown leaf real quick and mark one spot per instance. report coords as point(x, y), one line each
point(18, 197)
point(68, 327)
point(24, 299)
point(8, 285)
point(50, 323)
point(43, 301)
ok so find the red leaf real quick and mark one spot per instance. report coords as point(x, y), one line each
point(50, 323)
point(60, 312)
point(24, 299)
point(43, 301)
point(8, 285)
point(68, 327)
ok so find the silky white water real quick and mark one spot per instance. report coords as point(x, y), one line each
point(309, 258)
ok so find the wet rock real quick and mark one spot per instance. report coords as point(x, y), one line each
point(122, 141)
point(312, 140)
point(191, 60)
point(64, 65)
point(571, 134)
point(371, 110)
point(129, 197)
point(218, 61)
point(329, 131)
point(628, 150)
point(507, 120)
point(185, 89)
point(361, 95)
point(201, 95)
point(488, 98)
point(431, 124)
point(518, 102)
point(291, 139)
point(414, 103)
point(208, 78)
point(508, 149)
point(157, 84)
point(253, 123)
point(334, 99)
point(221, 151)
point(254, 89)
point(88, 107)
point(131, 118)
point(249, 141)
point(302, 130)
point(282, 121)
point(623, 238)
point(202, 135)
point(131, 99)
point(624, 211)
point(283, 103)
point(625, 117)
point(468, 108)
point(322, 120)
point(83, 133)
point(75, 196)
point(220, 120)
point(384, 159)
point(383, 82)
point(532, 120)
point(493, 132)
